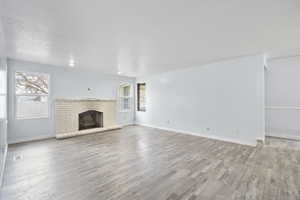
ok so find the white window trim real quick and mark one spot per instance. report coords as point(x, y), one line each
point(5, 112)
point(120, 97)
point(16, 95)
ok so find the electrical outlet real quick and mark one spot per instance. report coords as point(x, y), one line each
point(18, 157)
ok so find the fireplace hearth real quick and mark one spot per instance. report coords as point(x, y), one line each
point(90, 119)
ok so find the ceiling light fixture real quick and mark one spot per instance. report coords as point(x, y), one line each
point(119, 72)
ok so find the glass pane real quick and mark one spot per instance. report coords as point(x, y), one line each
point(2, 106)
point(126, 91)
point(31, 83)
point(126, 103)
point(142, 97)
point(32, 107)
point(3, 82)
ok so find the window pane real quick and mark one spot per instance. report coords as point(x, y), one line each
point(125, 97)
point(31, 83)
point(2, 82)
point(32, 107)
point(2, 106)
point(141, 96)
point(126, 91)
point(126, 104)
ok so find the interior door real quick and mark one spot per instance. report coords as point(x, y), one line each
point(283, 98)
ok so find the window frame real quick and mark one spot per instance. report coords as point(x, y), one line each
point(18, 95)
point(138, 97)
point(122, 97)
point(4, 93)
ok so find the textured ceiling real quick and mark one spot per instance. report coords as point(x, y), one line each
point(139, 37)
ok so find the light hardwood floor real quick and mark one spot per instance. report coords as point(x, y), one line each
point(143, 163)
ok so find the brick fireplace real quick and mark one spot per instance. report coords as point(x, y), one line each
point(84, 116)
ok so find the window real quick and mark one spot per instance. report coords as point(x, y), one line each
point(3, 91)
point(141, 96)
point(32, 93)
point(125, 97)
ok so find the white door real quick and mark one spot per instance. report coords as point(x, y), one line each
point(283, 98)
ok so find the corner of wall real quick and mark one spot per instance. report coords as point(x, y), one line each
point(3, 165)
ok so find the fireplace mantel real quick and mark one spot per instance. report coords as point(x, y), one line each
point(67, 115)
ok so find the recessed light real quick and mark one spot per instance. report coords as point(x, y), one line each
point(119, 72)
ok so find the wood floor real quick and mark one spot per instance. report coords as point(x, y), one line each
point(143, 163)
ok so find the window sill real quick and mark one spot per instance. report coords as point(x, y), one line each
point(32, 118)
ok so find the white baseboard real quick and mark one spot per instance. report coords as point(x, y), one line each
point(201, 135)
point(283, 135)
point(30, 139)
point(127, 124)
point(3, 166)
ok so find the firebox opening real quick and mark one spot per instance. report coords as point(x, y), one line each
point(90, 119)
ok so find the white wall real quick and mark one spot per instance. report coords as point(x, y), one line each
point(223, 100)
point(3, 98)
point(283, 97)
point(2, 39)
point(64, 83)
point(3, 115)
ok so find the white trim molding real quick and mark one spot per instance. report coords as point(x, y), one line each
point(31, 139)
point(283, 107)
point(283, 135)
